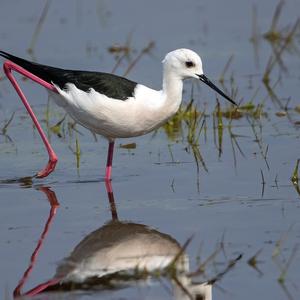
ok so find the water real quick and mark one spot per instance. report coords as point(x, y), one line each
point(157, 183)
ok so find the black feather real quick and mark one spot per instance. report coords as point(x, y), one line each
point(111, 85)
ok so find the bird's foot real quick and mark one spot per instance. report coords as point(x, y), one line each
point(48, 169)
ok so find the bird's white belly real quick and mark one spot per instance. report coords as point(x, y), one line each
point(111, 118)
point(124, 120)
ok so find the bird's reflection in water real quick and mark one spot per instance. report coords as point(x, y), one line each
point(120, 254)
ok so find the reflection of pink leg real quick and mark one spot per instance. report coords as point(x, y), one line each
point(8, 67)
point(42, 287)
point(111, 199)
point(54, 205)
point(109, 161)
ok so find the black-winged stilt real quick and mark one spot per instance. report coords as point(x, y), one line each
point(109, 105)
point(119, 254)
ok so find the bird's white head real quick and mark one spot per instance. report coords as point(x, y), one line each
point(184, 63)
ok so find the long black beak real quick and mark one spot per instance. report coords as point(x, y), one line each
point(204, 79)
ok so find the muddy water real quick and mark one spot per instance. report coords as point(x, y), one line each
point(226, 210)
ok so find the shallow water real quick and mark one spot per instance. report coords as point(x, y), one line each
point(157, 183)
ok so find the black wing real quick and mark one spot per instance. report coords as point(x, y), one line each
point(111, 85)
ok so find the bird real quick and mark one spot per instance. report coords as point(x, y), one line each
point(118, 254)
point(107, 104)
point(97, 260)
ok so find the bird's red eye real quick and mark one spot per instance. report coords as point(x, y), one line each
point(189, 64)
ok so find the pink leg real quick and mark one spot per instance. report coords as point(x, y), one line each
point(109, 161)
point(110, 194)
point(8, 67)
point(54, 205)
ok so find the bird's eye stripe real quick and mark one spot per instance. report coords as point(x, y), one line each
point(189, 64)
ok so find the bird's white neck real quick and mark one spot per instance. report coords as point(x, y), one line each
point(172, 89)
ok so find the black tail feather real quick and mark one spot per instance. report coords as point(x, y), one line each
point(4, 54)
point(42, 71)
point(111, 85)
point(17, 60)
